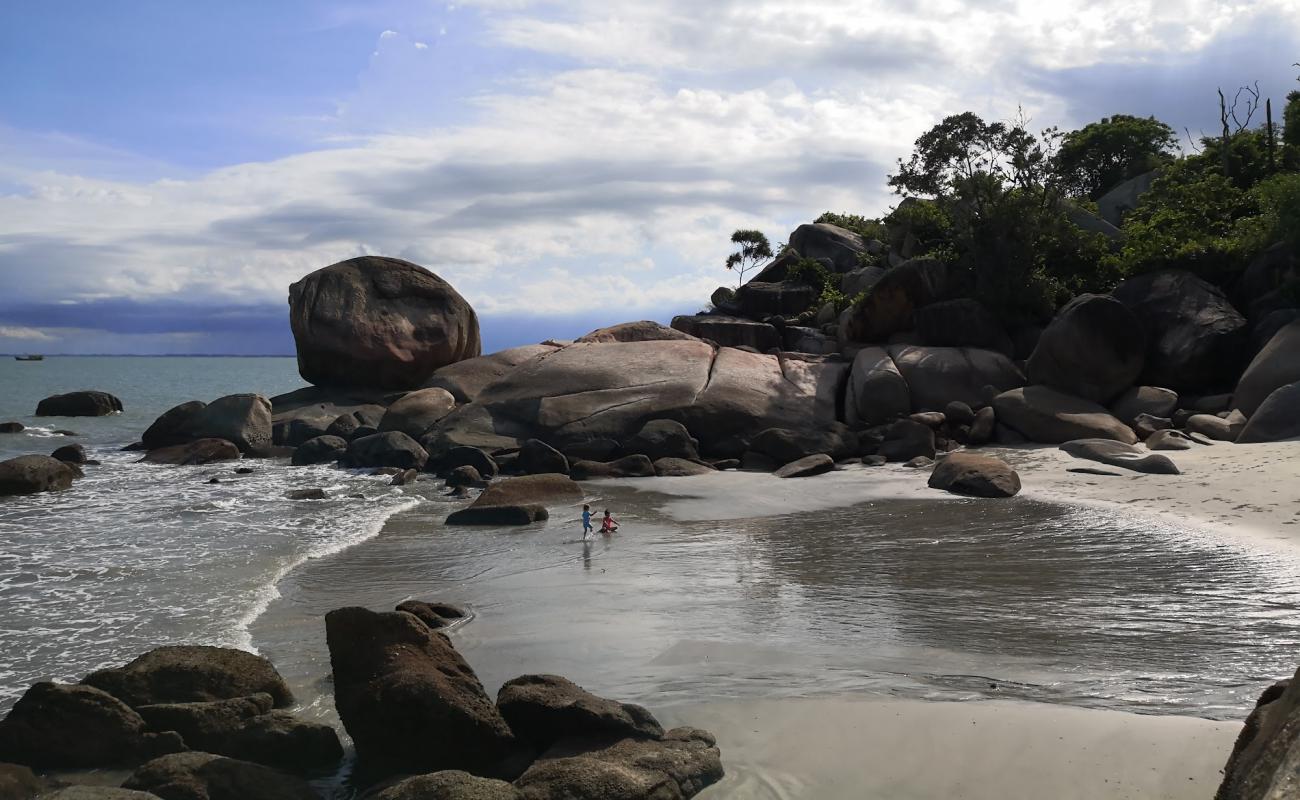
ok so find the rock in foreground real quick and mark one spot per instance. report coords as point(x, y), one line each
point(1045, 415)
point(975, 475)
point(32, 474)
point(378, 322)
point(682, 764)
point(204, 776)
point(192, 673)
point(1264, 759)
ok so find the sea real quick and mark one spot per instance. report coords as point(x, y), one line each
point(703, 595)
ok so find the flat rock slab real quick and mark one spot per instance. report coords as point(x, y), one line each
point(1118, 454)
point(806, 466)
point(1094, 471)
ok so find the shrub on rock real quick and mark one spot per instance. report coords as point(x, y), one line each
point(191, 674)
point(408, 699)
point(378, 322)
point(79, 404)
point(975, 475)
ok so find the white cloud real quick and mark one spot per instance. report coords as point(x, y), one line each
point(24, 333)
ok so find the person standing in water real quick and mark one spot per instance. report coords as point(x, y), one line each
point(586, 520)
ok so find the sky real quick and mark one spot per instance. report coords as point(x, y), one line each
point(168, 168)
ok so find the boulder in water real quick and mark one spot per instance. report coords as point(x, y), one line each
point(391, 449)
point(199, 451)
point(204, 776)
point(35, 473)
point(378, 322)
point(408, 699)
point(79, 404)
point(175, 426)
point(192, 674)
point(321, 450)
point(244, 419)
point(12, 427)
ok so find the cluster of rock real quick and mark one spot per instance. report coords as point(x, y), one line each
point(203, 723)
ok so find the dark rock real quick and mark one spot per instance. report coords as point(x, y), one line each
point(391, 449)
point(1045, 415)
point(542, 709)
point(1094, 349)
point(1261, 766)
point(244, 471)
point(875, 460)
point(435, 615)
point(983, 428)
point(247, 728)
point(936, 376)
point(580, 447)
point(958, 413)
point(975, 475)
point(758, 300)
point(822, 240)
point(933, 420)
point(876, 391)
point(408, 699)
point(449, 784)
point(344, 426)
point(19, 783)
point(96, 793)
point(416, 412)
point(783, 445)
point(293, 431)
point(1169, 440)
point(1144, 425)
point(531, 489)
point(1094, 471)
point(466, 379)
point(404, 477)
point(205, 776)
point(722, 297)
point(682, 764)
point(637, 466)
point(177, 425)
point(663, 438)
point(200, 451)
point(54, 726)
point(537, 457)
point(499, 515)
point(306, 494)
point(730, 447)
point(726, 463)
point(79, 404)
point(891, 303)
point(806, 466)
point(962, 323)
point(919, 462)
point(1268, 272)
point(244, 419)
point(466, 456)
point(12, 427)
point(906, 440)
point(34, 473)
point(1149, 400)
point(858, 281)
point(321, 450)
point(464, 475)
point(192, 674)
point(1213, 427)
point(1277, 418)
point(796, 339)
point(1277, 365)
point(680, 468)
point(362, 432)
point(730, 331)
point(1212, 404)
point(1118, 454)
point(643, 331)
point(1195, 338)
point(378, 322)
point(753, 461)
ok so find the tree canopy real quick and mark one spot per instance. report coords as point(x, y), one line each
point(754, 250)
point(1102, 154)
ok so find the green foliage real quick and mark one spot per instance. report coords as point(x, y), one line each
point(814, 273)
point(1102, 154)
point(866, 228)
point(1291, 132)
point(754, 250)
point(1278, 199)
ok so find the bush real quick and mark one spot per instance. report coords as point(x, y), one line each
point(864, 227)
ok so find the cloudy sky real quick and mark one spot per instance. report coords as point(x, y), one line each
point(168, 168)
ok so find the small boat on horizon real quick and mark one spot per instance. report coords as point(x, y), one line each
point(29, 358)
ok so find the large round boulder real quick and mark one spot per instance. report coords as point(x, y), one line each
point(78, 727)
point(975, 475)
point(821, 240)
point(1277, 365)
point(243, 419)
point(415, 413)
point(542, 709)
point(1042, 414)
point(378, 322)
point(390, 449)
point(936, 376)
point(1094, 349)
point(321, 450)
point(79, 404)
point(191, 674)
point(1195, 338)
point(34, 473)
point(876, 391)
point(408, 699)
point(175, 426)
point(1277, 418)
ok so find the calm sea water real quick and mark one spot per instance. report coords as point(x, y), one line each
point(952, 599)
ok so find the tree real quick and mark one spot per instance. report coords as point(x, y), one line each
point(1094, 159)
point(754, 251)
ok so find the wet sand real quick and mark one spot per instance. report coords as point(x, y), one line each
point(859, 748)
